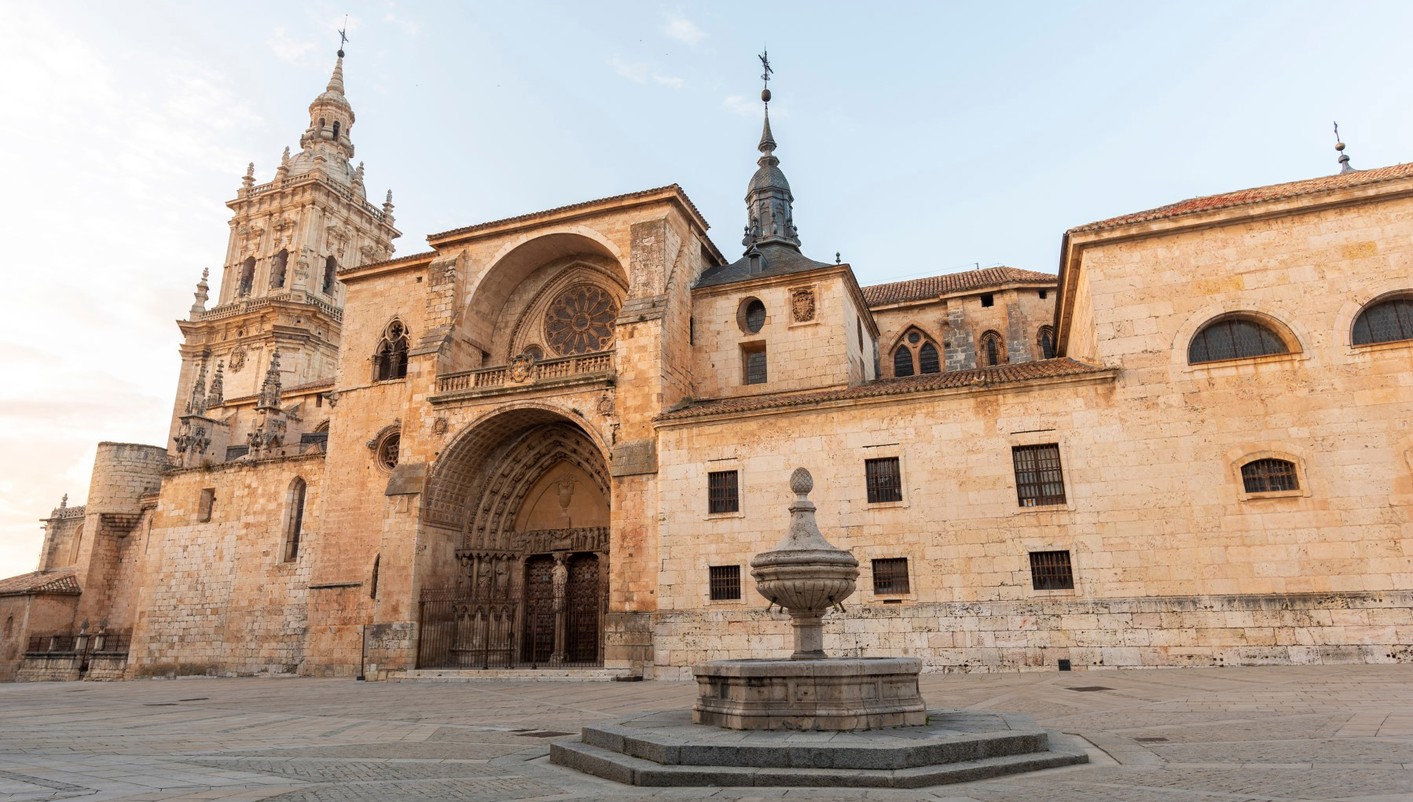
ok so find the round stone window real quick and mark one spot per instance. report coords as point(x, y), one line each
point(388, 449)
point(751, 316)
point(580, 320)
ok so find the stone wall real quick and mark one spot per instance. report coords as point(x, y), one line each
point(218, 596)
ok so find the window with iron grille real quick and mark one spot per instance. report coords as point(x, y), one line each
point(1234, 338)
point(1269, 476)
point(890, 576)
point(722, 492)
point(1385, 322)
point(1039, 478)
point(725, 582)
point(1050, 570)
point(885, 482)
point(753, 359)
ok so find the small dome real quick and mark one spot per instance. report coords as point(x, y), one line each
point(769, 177)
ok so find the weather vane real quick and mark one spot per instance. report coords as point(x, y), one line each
point(343, 35)
point(1336, 125)
point(765, 75)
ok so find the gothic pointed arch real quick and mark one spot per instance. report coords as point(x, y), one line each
point(914, 353)
point(390, 356)
point(991, 350)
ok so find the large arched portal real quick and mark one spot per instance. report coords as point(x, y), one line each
point(528, 492)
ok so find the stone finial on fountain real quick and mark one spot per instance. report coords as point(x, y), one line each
point(805, 574)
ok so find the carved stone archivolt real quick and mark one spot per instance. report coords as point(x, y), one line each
point(491, 521)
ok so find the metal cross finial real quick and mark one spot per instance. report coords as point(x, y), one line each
point(765, 65)
point(343, 35)
point(1336, 127)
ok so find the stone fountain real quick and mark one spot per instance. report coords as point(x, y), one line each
point(813, 720)
point(806, 576)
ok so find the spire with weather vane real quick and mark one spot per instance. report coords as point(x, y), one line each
point(769, 202)
point(1343, 157)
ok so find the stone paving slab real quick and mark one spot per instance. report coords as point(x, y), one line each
point(1264, 734)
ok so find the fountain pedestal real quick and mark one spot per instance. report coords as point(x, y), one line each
point(805, 575)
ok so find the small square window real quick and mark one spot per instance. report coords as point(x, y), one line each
point(1050, 570)
point(1044, 294)
point(753, 363)
point(1039, 477)
point(987, 299)
point(884, 481)
point(890, 576)
point(725, 582)
point(723, 494)
point(1269, 476)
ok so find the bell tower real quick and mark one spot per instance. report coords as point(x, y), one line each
point(279, 290)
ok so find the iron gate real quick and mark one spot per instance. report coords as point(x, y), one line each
point(525, 626)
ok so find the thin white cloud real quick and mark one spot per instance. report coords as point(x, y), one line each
point(637, 73)
point(740, 104)
point(641, 73)
point(288, 49)
point(409, 27)
point(685, 31)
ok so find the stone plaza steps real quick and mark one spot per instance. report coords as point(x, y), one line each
point(666, 749)
point(472, 675)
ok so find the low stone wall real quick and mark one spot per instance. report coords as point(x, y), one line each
point(389, 647)
point(1034, 634)
point(49, 668)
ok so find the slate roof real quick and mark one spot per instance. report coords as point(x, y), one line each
point(777, 260)
point(920, 289)
point(980, 377)
point(58, 582)
point(1245, 197)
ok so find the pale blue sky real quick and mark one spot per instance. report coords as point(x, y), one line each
point(919, 138)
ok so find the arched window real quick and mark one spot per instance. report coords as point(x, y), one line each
point(993, 349)
point(914, 354)
point(294, 522)
point(390, 360)
point(336, 130)
point(1385, 322)
point(331, 267)
point(277, 269)
point(1046, 340)
point(534, 353)
point(1269, 476)
point(247, 278)
point(1234, 338)
point(902, 361)
point(928, 359)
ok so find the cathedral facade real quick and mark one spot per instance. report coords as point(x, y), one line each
point(554, 441)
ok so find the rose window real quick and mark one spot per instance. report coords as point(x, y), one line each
point(580, 321)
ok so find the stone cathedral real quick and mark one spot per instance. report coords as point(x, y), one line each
point(552, 443)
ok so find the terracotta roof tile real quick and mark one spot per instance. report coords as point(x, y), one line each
point(1246, 197)
point(571, 207)
point(980, 377)
point(60, 582)
point(918, 289)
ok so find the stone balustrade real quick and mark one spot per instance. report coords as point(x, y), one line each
point(523, 372)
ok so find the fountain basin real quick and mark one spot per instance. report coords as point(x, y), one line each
point(839, 694)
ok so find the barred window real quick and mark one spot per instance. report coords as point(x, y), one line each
point(1050, 570)
point(890, 576)
point(1385, 322)
point(902, 362)
point(723, 494)
point(1039, 477)
point(928, 360)
point(724, 582)
point(1046, 339)
point(1269, 476)
point(753, 363)
point(993, 349)
point(885, 482)
point(1234, 338)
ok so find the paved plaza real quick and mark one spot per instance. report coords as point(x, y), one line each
point(1181, 735)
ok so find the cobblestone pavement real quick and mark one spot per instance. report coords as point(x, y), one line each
point(1186, 735)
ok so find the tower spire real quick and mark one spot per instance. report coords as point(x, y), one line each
point(1343, 157)
point(770, 215)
